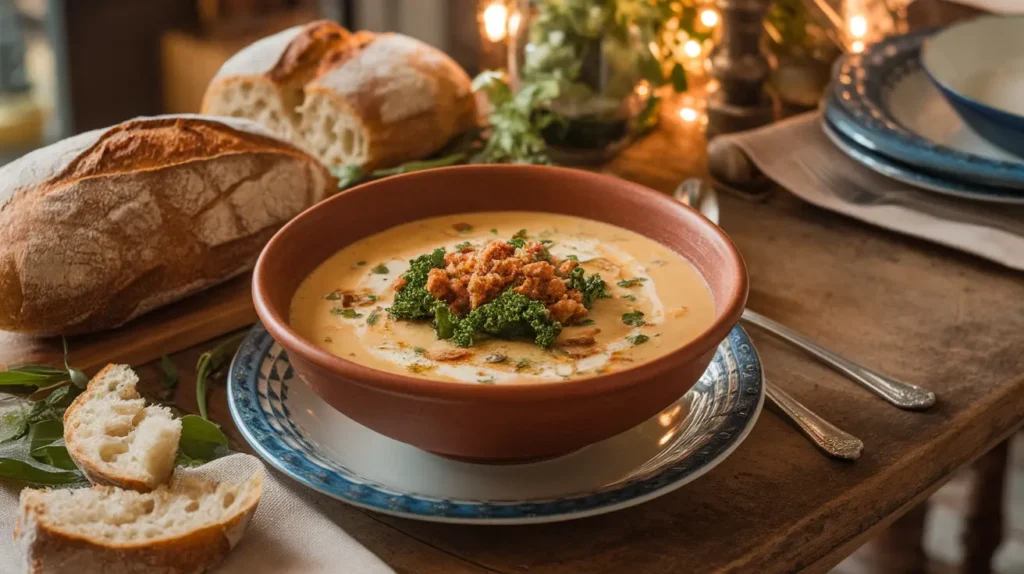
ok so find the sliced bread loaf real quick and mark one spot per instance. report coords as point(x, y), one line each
point(185, 527)
point(115, 438)
point(374, 100)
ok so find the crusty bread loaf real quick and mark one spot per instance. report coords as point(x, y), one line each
point(104, 226)
point(182, 528)
point(374, 100)
point(115, 438)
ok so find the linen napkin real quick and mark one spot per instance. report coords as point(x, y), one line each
point(797, 155)
point(291, 532)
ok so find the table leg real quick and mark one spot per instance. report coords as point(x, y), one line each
point(901, 547)
point(983, 528)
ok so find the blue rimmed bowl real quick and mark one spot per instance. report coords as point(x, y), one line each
point(978, 66)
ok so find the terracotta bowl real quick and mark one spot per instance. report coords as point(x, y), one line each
point(497, 423)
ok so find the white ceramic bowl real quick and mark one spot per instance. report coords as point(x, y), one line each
point(978, 65)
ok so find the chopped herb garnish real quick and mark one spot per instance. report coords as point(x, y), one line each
point(346, 313)
point(495, 358)
point(462, 227)
point(487, 381)
point(592, 287)
point(360, 263)
point(547, 241)
point(494, 231)
point(333, 296)
point(522, 364)
point(521, 234)
point(571, 257)
point(418, 350)
point(586, 322)
point(371, 297)
point(380, 269)
point(631, 282)
point(638, 339)
point(634, 319)
point(629, 297)
point(372, 319)
point(413, 301)
point(463, 245)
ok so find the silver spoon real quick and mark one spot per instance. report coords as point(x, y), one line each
point(828, 437)
point(701, 196)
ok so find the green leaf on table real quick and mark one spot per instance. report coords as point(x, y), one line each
point(201, 441)
point(679, 83)
point(14, 413)
point(33, 376)
point(209, 364)
point(56, 455)
point(347, 175)
point(38, 474)
point(18, 463)
point(421, 165)
point(45, 432)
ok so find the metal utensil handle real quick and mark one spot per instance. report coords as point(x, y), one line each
point(830, 438)
point(903, 395)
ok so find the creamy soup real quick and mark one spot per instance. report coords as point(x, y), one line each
point(653, 302)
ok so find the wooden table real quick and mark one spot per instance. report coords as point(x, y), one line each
point(920, 312)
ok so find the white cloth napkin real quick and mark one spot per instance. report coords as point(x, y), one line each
point(290, 534)
point(1007, 7)
point(797, 155)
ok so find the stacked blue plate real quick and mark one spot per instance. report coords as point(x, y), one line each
point(884, 111)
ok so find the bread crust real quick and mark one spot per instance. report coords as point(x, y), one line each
point(409, 98)
point(51, 549)
point(103, 227)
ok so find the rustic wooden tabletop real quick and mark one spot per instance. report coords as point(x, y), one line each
point(920, 312)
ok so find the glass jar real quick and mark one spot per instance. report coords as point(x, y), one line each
point(602, 100)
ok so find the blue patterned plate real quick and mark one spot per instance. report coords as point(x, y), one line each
point(923, 180)
point(299, 434)
point(883, 100)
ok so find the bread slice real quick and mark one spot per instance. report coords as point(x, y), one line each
point(185, 527)
point(115, 438)
point(374, 100)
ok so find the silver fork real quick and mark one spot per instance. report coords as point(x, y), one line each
point(828, 437)
point(851, 191)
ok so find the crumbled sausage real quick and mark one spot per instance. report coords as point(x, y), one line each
point(471, 278)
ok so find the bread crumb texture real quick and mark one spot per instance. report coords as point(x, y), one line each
point(115, 438)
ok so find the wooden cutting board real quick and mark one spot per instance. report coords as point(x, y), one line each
point(222, 309)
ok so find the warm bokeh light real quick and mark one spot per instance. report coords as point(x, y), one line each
point(709, 18)
point(857, 47)
point(692, 48)
point(513, 23)
point(688, 114)
point(642, 89)
point(858, 26)
point(496, 21)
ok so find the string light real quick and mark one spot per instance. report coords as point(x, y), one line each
point(857, 47)
point(709, 18)
point(496, 21)
point(688, 114)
